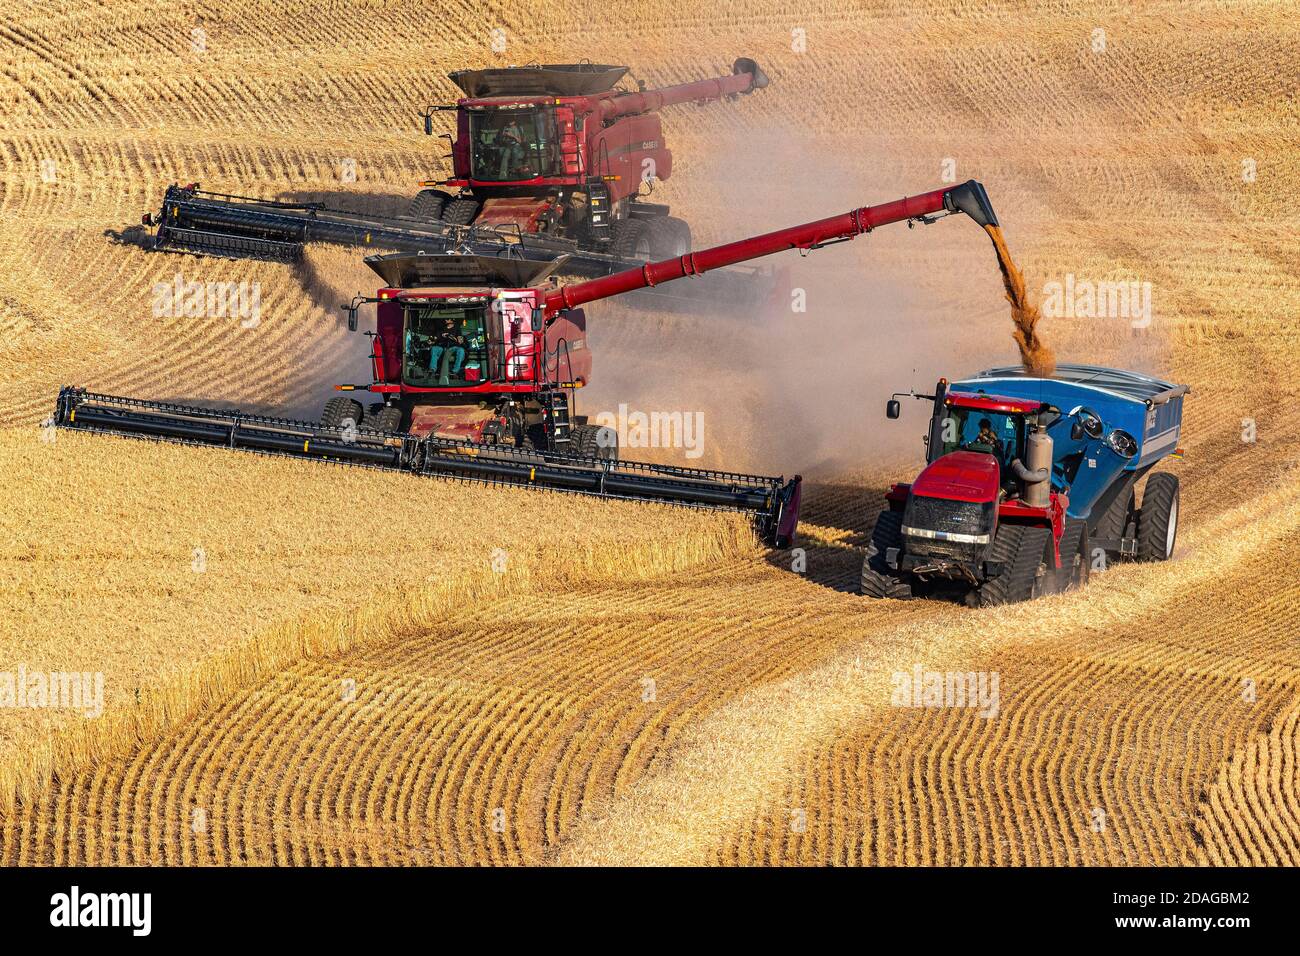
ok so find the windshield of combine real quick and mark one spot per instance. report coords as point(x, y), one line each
point(509, 145)
point(974, 429)
point(444, 346)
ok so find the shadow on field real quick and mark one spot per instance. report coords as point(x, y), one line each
point(137, 236)
point(838, 567)
point(837, 505)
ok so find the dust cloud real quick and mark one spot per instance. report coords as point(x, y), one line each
point(799, 383)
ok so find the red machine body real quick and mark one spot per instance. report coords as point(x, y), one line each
point(558, 150)
point(968, 518)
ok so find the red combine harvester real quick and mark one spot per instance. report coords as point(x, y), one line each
point(549, 162)
point(557, 150)
point(476, 363)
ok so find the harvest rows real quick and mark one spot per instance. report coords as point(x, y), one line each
point(770, 688)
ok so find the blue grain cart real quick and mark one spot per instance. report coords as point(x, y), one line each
point(1029, 483)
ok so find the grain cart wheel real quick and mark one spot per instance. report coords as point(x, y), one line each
point(1158, 518)
point(631, 239)
point(878, 579)
point(340, 410)
point(1020, 550)
point(428, 204)
point(460, 212)
point(1114, 523)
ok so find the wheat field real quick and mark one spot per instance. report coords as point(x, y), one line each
point(349, 681)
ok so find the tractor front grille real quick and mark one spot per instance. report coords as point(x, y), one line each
point(949, 529)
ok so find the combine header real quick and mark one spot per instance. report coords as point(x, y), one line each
point(548, 161)
point(476, 361)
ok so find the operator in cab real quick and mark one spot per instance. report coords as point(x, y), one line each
point(448, 350)
point(987, 436)
point(511, 139)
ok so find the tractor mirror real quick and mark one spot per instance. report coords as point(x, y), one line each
point(539, 320)
point(428, 123)
point(892, 408)
point(351, 310)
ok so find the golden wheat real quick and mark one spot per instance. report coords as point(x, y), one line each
point(767, 736)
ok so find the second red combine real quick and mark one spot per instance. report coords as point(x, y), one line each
point(547, 162)
point(557, 150)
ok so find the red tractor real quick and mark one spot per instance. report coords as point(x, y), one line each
point(557, 150)
point(1029, 483)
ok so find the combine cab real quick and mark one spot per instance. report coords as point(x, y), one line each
point(1028, 482)
point(463, 350)
point(557, 150)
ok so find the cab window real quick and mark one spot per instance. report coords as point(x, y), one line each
point(973, 429)
point(444, 347)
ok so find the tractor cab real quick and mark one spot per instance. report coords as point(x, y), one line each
point(980, 424)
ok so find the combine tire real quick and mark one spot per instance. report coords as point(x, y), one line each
point(631, 239)
point(340, 410)
point(460, 212)
point(1158, 518)
point(1021, 551)
point(595, 441)
point(683, 231)
point(386, 418)
point(428, 204)
point(667, 240)
point(878, 579)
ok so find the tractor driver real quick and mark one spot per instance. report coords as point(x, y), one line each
point(448, 349)
point(988, 437)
